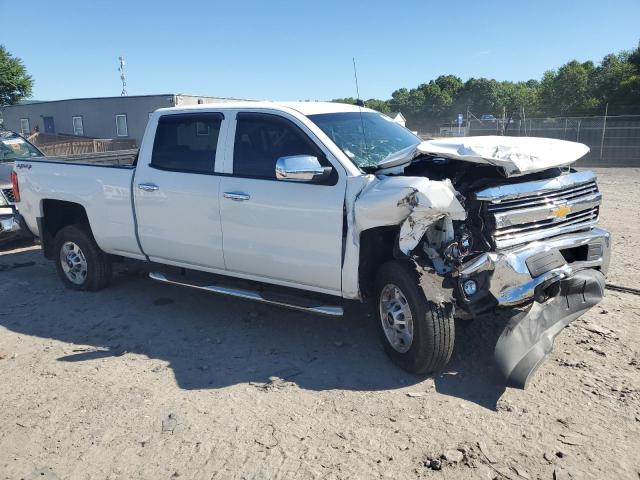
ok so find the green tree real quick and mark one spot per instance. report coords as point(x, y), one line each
point(634, 58)
point(449, 84)
point(481, 95)
point(15, 83)
point(513, 96)
point(569, 91)
point(380, 105)
point(631, 85)
point(399, 100)
point(617, 81)
point(439, 95)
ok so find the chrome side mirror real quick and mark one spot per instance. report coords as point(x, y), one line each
point(301, 168)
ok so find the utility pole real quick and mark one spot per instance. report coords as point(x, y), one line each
point(578, 132)
point(122, 76)
point(504, 120)
point(468, 123)
point(604, 129)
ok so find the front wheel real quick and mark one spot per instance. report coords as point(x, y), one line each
point(416, 333)
point(79, 261)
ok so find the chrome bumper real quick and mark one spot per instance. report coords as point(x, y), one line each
point(512, 277)
point(9, 224)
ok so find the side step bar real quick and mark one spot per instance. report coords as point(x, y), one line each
point(328, 310)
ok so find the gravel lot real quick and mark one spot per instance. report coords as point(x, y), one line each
point(156, 382)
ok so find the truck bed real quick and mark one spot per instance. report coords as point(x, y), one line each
point(99, 183)
point(123, 158)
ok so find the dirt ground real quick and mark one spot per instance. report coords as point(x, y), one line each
point(146, 381)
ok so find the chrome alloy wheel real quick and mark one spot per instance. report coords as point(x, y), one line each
point(74, 263)
point(396, 318)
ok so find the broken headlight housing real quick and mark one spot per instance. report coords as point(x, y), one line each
point(460, 247)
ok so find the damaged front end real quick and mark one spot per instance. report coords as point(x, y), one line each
point(547, 256)
point(530, 243)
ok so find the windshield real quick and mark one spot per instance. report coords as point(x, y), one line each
point(366, 138)
point(14, 147)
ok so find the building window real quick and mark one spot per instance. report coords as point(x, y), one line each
point(78, 128)
point(24, 127)
point(121, 125)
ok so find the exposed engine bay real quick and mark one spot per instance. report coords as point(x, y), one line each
point(451, 242)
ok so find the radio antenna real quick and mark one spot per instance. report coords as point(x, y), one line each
point(360, 104)
point(355, 75)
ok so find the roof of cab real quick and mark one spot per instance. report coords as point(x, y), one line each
point(305, 108)
point(313, 108)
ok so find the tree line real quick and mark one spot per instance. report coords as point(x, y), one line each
point(574, 89)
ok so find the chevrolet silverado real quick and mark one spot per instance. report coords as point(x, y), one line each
point(308, 204)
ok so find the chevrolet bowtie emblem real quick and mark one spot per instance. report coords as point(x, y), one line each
point(561, 212)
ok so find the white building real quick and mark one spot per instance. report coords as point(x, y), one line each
point(398, 118)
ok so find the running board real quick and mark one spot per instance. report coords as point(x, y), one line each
point(328, 310)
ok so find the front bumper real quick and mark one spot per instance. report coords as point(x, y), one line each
point(516, 276)
point(528, 337)
point(558, 279)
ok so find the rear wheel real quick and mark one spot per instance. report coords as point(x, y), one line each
point(79, 261)
point(416, 333)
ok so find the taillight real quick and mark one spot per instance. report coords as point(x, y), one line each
point(16, 187)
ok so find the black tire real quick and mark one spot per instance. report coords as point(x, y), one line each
point(433, 325)
point(98, 265)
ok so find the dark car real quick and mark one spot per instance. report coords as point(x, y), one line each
point(12, 147)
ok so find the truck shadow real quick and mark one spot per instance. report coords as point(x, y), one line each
point(212, 342)
point(14, 244)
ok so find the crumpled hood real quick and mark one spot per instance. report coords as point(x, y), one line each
point(516, 155)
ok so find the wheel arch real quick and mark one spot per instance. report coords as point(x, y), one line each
point(377, 246)
point(57, 214)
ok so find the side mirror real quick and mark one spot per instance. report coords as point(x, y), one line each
point(301, 168)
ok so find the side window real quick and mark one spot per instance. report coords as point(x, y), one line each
point(263, 138)
point(187, 143)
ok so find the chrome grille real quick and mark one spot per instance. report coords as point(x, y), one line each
point(8, 194)
point(530, 211)
point(543, 199)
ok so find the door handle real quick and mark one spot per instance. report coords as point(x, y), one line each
point(237, 196)
point(148, 187)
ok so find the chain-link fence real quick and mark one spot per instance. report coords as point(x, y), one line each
point(613, 140)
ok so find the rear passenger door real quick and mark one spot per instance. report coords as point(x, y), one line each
point(176, 192)
point(280, 231)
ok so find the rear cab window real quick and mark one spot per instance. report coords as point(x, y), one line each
point(187, 142)
point(262, 138)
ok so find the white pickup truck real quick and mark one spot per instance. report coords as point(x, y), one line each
point(308, 204)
